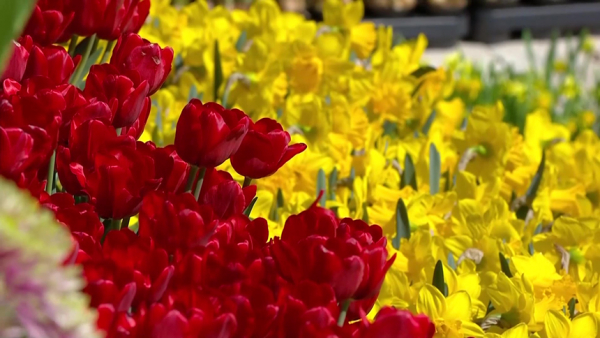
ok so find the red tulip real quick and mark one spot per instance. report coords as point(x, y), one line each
point(264, 150)
point(168, 166)
point(207, 134)
point(142, 60)
point(17, 153)
point(52, 62)
point(108, 18)
point(15, 69)
point(73, 163)
point(225, 195)
point(176, 222)
point(394, 323)
point(126, 100)
point(80, 218)
point(48, 22)
point(122, 176)
point(348, 255)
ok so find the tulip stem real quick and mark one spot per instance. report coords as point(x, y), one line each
point(201, 173)
point(107, 52)
point(125, 223)
point(191, 178)
point(119, 131)
point(247, 182)
point(343, 311)
point(110, 225)
point(73, 45)
point(115, 224)
point(50, 180)
point(84, 59)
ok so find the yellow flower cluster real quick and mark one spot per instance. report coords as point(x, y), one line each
point(496, 228)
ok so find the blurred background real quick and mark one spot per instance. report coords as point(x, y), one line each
point(482, 30)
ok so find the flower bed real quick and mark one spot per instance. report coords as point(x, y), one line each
point(269, 176)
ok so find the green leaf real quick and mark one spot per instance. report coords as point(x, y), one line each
point(504, 265)
point(448, 181)
point(250, 206)
point(84, 44)
point(529, 48)
point(551, 58)
point(280, 200)
point(572, 303)
point(451, 261)
point(428, 123)
point(422, 71)
point(218, 75)
point(321, 186)
point(193, 92)
point(398, 39)
point(241, 41)
point(575, 52)
point(409, 176)
point(365, 216)
point(537, 180)
point(416, 90)
point(435, 169)
point(402, 224)
point(490, 308)
point(13, 17)
point(333, 178)
point(88, 64)
point(438, 278)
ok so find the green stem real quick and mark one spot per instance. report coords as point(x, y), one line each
point(343, 311)
point(199, 183)
point(107, 52)
point(191, 178)
point(125, 223)
point(73, 45)
point(50, 180)
point(115, 224)
point(110, 225)
point(247, 182)
point(119, 130)
point(84, 58)
point(181, 3)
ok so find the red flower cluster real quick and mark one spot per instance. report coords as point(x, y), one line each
point(57, 20)
point(196, 265)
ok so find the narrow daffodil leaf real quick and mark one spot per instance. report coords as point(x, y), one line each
point(448, 181)
point(241, 41)
point(365, 216)
point(250, 206)
point(438, 278)
point(537, 180)
point(409, 176)
point(428, 123)
point(321, 186)
point(218, 75)
point(280, 200)
point(504, 265)
point(435, 169)
point(422, 71)
point(572, 304)
point(193, 93)
point(451, 261)
point(402, 224)
point(333, 178)
point(551, 58)
point(529, 48)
